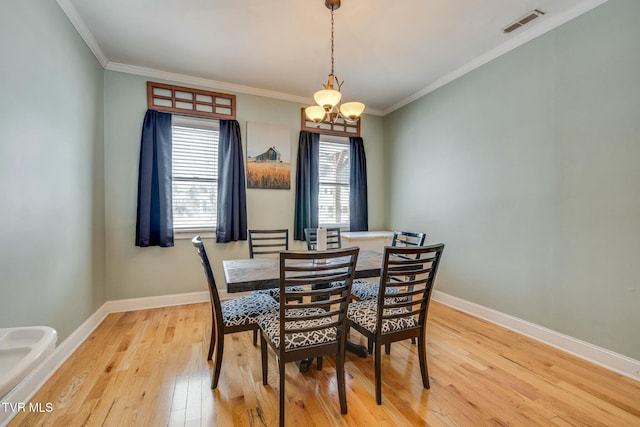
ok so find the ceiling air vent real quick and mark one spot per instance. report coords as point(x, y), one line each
point(524, 20)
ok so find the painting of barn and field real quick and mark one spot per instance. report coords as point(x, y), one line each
point(268, 156)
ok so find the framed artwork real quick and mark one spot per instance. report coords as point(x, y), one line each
point(268, 156)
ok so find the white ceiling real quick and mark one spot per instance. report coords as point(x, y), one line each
point(388, 52)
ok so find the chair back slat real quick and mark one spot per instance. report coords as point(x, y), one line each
point(403, 293)
point(333, 266)
point(264, 243)
point(410, 281)
point(321, 308)
point(411, 271)
point(408, 239)
point(314, 293)
point(334, 240)
point(317, 280)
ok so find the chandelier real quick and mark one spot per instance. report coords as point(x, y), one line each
point(329, 107)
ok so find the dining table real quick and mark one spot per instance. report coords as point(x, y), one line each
point(250, 274)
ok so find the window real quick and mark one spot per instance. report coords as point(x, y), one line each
point(186, 100)
point(333, 200)
point(195, 173)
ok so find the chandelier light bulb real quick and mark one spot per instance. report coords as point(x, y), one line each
point(327, 98)
point(315, 113)
point(352, 110)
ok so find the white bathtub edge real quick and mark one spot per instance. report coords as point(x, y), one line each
point(25, 390)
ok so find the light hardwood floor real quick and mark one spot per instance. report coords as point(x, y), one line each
point(149, 368)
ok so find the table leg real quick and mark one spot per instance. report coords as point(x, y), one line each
point(359, 350)
point(305, 364)
point(354, 348)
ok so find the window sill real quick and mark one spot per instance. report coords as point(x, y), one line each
point(342, 227)
point(188, 235)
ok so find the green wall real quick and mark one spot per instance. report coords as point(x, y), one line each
point(51, 170)
point(528, 170)
point(69, 147)
point(134, 272)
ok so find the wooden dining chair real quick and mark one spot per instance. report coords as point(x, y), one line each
point(403, 314)
point(363, 290)
point(234, 315)
point(334, 241)
point(311, 329)
point(408, 239)
point(267, 243)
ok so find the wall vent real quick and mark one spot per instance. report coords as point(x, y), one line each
point(524, 20)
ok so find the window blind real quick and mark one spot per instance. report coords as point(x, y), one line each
point(333, 200)
point(195, 173)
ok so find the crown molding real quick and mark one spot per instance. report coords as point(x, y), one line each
point(545, 26)
point(212, 84)
point(82, 29)
point(207, 83)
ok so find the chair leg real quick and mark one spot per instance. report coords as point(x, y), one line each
point(305, 364)
point(212, 341)
point(281, 367)
point(410, 289)
point(265, 362)
point(342, 394)
point(387, 348)
point(369, 345)
point(255, 337)
point(319, 363)
point(378, 368)
point(422, 355)
point(219, 353)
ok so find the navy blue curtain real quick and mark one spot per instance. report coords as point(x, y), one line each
point(307, 183)
point(154, 221)
point(359, 208)
point(232, 197)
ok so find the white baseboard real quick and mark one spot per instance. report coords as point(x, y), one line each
point(24, 391)
point(600, 356)
point(118, 306)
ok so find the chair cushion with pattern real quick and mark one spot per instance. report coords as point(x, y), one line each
point(355, 282)
point(364, 290)
point(243, 310)
point(364, 313)
point(269, 322)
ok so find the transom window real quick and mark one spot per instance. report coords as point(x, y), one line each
point(333, 200)
point(195, 173)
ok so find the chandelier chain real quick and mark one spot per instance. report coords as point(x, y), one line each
point(332, 41)
point(328, 107)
